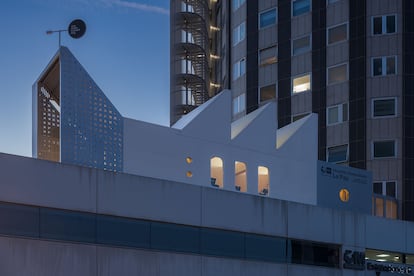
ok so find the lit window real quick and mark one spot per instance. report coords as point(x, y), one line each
point(384, 107)
point(267, 93)
point(384, 199)
point(237, 4)
point(301, 84)
point(383, 149)
point(338, 154)
point(216, 172)
point(300, 7)
point(239, 68)
point(337, 74)
point(337, 114)
point(263, 180)
point(239, 104)
point(301, 45)
point(267, 18)
point(239, 33)
point(240, 177)
point(337, 33)
point(344, 195)
point(386, 24)
point(383, 66)
point(268, 56)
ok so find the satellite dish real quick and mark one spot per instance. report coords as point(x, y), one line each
point(77, 28)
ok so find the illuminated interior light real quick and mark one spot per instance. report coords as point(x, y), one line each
point(189, 174)
point(189, 160)
point(215, 85)
point(214, 56)
point(383, 255)
point(381, 260)
point(214, 28)
point(44, 92)
point(55, 105)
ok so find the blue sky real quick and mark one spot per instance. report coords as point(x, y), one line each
point(125, 50)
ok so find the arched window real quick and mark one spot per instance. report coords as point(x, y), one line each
point(263, 180)
point(216, 172)
point(240, 177)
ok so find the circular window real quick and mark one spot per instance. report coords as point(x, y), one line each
point(344, 195)
point(189, 174)
point(189, 160)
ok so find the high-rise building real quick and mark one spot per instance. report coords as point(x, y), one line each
point(349, 61)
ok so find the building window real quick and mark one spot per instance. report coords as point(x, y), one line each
point(299, 116)
point(263, 180)
point(240, 176)
point(267, 18)
point(384, 199)
point(216, 172)
point(267, 93)
point(384, 149)
point(239, 68)
point(337, 74)
point(300, 7)
point(301, 84)
point(239, 33)
point(337, 34)
point(386, 24)
point(332, 1)
point(239, 104)
point(385, 256)
point(386, 107)
point(237, 4)
point(383, 66)
point(337, 154)
point(337, 114)
point(268, 56)
point(301, 45)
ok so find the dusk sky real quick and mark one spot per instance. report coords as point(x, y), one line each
point(125, 50)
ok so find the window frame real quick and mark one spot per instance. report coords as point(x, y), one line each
point(292, 10)
point(384, 66)
point(236, 4)
point(260, 94)
point(384, 24)
point(300, 76)
point(240, 36)
point(307, 50)
point(333, 66)
point(240, 101)
point(335, 26)
point(267, 11)
point(373, 100)
point(383, 157)
point(238, 65)
point(340, 113)
point(269, 60)
point(339, 161)
point(385, 198)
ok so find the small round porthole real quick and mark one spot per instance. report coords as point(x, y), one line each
point(189, 174)
point(189, 160)
point(344, 195)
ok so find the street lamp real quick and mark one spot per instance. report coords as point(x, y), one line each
point(49, 32)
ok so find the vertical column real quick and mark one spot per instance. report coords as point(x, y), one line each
point(252, 77)
point(319, 71)
point(357, 84)
point(408, 111)
point(284, 63)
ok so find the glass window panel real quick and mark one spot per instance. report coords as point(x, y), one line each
point(390, 65)
point(337, 74)
point(303, 252)
point(301, 84)
point(263, 180)
point(301, 7)
point(265, 248)
point(391, 209)
point(390, 19)
point(333, 116)
point(267, 18)
point(384, 107)
point(384, 149)
point(268, 56)
point(377, 25)
point(222, 243)
point(338, 154)
point(337, 34)
point(179, 238)
point(19, 220)
point(378, 188)
point(301, 45)
point(377, 66)
point(379, 207)
point(383, 256)
point(67, 225)
point(345, 112)
point(123, 231)
point(267, 93)
point(390, 189)
point(409, 259)
point(216, 172)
